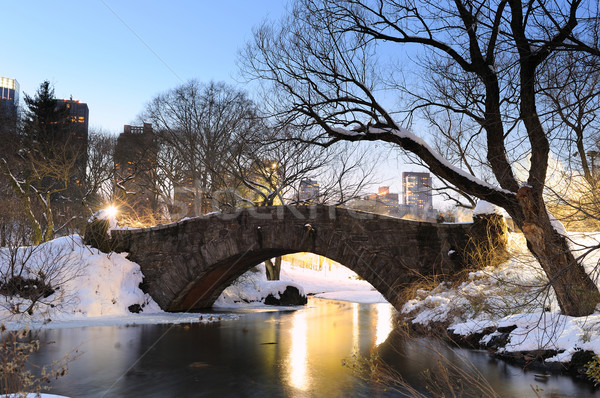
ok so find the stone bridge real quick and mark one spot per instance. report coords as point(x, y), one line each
point(186, 265)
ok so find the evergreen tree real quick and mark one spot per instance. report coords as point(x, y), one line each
point(41, 171)
point(45, 124)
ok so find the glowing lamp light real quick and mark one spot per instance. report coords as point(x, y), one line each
point(111, 211)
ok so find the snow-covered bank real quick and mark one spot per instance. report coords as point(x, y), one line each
point(338, 283)
point(90, 288)
point(156, 318)
point(510, 298)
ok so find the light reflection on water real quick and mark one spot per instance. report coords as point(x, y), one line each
point(355, 328)
point(297, 362)
point(262, 354)
point(384, 323)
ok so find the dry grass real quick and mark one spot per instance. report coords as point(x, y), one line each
point(448, 377)
point(18, 376)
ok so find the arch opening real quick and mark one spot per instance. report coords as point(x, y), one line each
point(242, 280)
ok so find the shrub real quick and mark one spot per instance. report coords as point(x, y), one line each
point(593, 370)
point(16, 375)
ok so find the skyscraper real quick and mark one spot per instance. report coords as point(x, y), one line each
point(9, 104)
point(416, 190)
point(135, 161)
point(76, 139)
point(309, 190)
point(9, 92)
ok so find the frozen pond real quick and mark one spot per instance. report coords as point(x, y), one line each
point(296, 353)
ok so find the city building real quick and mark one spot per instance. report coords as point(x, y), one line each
point(76, 138)
point(9, 104)
point(135, 161)
point(382, 202)
point(416, 190)
point(309, 190)
point(387, 198)
point(79, 115)
point(9, 94)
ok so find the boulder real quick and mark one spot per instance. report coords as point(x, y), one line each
point(291, 296)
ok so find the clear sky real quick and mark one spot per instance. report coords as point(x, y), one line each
point(116, 55)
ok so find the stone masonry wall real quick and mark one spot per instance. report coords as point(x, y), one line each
point(186, 265)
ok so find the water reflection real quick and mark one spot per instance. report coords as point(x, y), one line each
point(274, 354)
point(385, 322)
point(355, 328)
point(325, 335)
point(297, 362)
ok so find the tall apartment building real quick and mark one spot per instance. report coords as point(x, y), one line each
point(135, 161)
point(309, 190)
point(9, 94)
point(416, 190)
point(9, 104)
point(76, 136)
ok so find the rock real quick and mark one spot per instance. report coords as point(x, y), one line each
point(28, 288)
point(498, 340)
point(506, 329)
point(472, 340)
point(579, 360)
point(135, 308)
point(96, 235)
point(291, 296)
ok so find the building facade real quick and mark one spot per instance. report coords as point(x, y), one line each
point(9, 104)
point(76, 136)
point(9, 92)
point(416, 190)
point(309, 190)
point(135, 161)
point(382, 202)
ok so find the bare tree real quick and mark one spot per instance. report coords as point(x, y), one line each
point(31, 276)
point(267, 168)
point(98, 186)
point(570, 94)
point(196, 125)
point(321, 59)
point(30, 183)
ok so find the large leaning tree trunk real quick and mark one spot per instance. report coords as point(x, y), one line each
point(480, 59)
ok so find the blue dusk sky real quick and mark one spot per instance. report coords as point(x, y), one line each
point(117, 55)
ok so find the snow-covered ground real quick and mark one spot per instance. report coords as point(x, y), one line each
point(511, 295)
point(337, 283)
point(95, 289)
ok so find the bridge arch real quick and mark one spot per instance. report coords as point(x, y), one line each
point(186, 265)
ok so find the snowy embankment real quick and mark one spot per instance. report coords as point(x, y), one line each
point(511, 300)
point(339, 283)
point(87, 288)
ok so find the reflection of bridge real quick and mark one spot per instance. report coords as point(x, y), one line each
point(186, 265)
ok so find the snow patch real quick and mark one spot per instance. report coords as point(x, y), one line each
point(90, 287)
point(496, 296)
point(484, 208)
